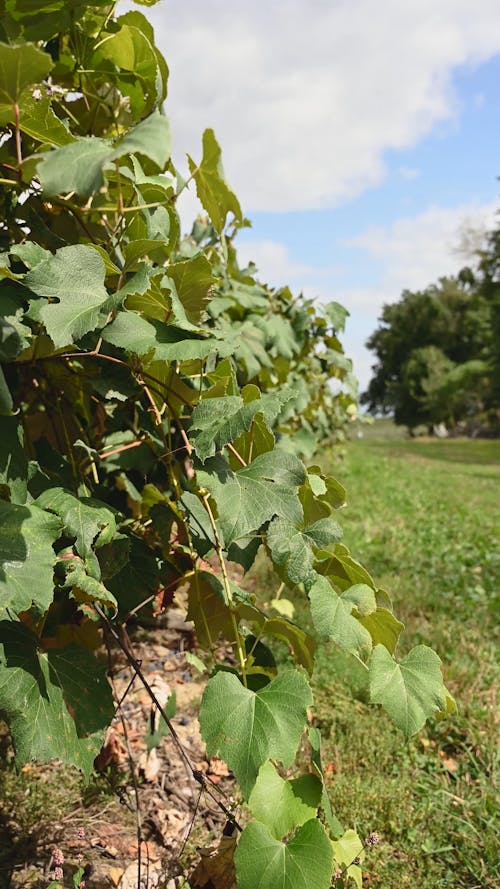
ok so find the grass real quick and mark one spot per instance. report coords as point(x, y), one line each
point(423, 517)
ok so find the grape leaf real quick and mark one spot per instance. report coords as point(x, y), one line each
point(82, 518)
point(21, 66)
point(409, 691)
point(332, 618)
point(208, 608)
point(193, 280)
point(211, 186)
point(294, 546)
point(38, 121)
point(75, 277)
point(346, 850)
point(77, 167)
point(13, 462)
point(262, 862)
point(26, 556)
point(58, 702)
point(217, 421)
point(86, 588)
point(168, 343)
point(253, 495)
point(245, 728)
point(284, 805)
point(151, 137)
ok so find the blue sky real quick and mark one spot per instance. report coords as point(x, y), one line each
point(361, 145)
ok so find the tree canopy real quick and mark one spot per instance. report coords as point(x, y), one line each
point(438, 352)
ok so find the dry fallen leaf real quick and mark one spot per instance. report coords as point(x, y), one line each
point(215, 870)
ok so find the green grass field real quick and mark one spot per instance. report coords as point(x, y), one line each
point(424, 518)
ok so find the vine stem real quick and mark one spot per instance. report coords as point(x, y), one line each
point(198, 776)
point(19, 153)
point(138, 813)
point(227, 588)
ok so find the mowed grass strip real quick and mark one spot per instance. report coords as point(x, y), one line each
point(424, 518)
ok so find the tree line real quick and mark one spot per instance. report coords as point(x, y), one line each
point(438, 351)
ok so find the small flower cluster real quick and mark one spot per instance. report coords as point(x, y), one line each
point(372, 839)
point(58, 861)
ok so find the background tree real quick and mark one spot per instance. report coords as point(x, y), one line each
point(437, 351)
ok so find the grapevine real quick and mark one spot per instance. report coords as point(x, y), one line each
point(160, 409)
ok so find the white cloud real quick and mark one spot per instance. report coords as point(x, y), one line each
point(306, 95)
point(417, 250)
point(411, 253)
point(276, 266)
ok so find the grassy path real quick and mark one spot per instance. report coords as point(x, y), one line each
point(424, 518)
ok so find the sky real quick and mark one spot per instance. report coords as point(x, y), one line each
point(361, 137)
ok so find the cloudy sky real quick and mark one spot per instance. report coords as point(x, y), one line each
point(360, 135)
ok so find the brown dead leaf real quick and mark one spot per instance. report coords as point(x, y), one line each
point(215, 870)
point(113, 751)
point(450, 764)
point(115, 874)
point(217, 768)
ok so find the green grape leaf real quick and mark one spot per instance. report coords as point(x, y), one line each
point(86, 588)
point(245, 728)
point(211, 186)
point(217, 421)
point(409, 691)
point(335, 314)
point(37, 120)
point(337, 563)
point(167, 343)
point(346, 849)
point(77, 167)
point(208, 609)
point(26, 557)
point(262, 862)
point(254, 494)
point(383, 627)
point(13, 462)
point(75, 277)
point(58, 702)
point(21, 66)
point(294, 547)
point(151, 138)
point(83, 518)
point(131, 51)
point(284, 805)
point(193, 280)
point(332, 618)
point(6, 402)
